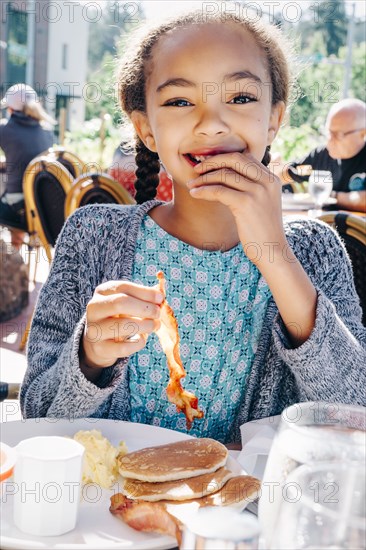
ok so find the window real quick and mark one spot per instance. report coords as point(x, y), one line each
point(17, 46)
point(64, 56)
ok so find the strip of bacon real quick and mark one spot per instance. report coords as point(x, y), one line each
point(142, 516)
point(168, 335)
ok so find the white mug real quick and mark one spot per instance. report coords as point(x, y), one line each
point(47, 478)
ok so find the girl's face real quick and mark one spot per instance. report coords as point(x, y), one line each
point(208, 92)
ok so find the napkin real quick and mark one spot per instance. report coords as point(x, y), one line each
point(256, 439)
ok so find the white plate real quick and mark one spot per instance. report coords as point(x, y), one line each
point(301, 201)
point(96, 527)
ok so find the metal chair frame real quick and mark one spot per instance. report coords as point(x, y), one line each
point(94, 180)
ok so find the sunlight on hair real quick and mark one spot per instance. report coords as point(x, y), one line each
point(157, 9)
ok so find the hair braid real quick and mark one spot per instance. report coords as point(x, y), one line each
point(147, 173)
point(267, 156)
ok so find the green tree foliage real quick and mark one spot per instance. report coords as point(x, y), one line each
point(294, 143)
point(87, 143)
point(102, 91)
point(106, 38)
point(117, 19)
point(331, 21)
point(320, 85)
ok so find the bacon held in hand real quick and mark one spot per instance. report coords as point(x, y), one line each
point(185, 401)
point(142, 516)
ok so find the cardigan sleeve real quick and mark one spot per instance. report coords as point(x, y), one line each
point(54, 384)
point(330, 365)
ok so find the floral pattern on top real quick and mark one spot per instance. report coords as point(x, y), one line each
point(220, 300)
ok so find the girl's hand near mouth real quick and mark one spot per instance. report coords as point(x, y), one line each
point(253, 195)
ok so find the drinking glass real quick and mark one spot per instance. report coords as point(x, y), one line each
point(324, 508)
point(220, 528)
point(308, 433)
point(320, 187)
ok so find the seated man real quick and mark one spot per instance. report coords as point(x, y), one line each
point(344, 154)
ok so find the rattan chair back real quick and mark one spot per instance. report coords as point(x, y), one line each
point(352, 230)
point(46, 183)
point(95, 188)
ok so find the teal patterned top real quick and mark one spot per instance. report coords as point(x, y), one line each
point(97, 244)
point(219, 300)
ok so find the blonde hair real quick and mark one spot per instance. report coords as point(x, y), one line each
point(35, 110)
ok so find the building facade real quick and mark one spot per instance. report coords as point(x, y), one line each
point(44, 43)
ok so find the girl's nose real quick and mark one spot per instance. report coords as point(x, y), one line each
point(211, 123)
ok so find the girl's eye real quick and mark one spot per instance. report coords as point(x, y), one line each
point(242, 99)
point(177, 103)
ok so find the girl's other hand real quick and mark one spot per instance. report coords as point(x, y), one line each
point(119, 318)
point(253, 194)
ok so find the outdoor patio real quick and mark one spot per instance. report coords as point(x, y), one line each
point(12, 360)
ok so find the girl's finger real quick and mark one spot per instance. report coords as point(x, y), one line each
point(111, 350)
point(220, 193)
point(120, 330)
point(102, 306)
point(226, 177)
point(242, 163)
point(148, 294)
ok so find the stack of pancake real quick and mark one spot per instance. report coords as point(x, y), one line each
point(192, 469)
point(163, 486)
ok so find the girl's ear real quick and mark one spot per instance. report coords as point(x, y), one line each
point(276, 118)
point(143, 130)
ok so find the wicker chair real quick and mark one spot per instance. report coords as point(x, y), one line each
point(95, 188)
point(45, 185)
point(352, 230)
point(9, 390)
point(69, 160)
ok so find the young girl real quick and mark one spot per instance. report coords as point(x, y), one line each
point(267, 313)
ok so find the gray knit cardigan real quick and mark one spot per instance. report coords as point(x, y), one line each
point(97, 244)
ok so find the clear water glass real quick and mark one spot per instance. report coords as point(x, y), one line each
point(221, 528)
point(308, 433)
point(324, 508)
point(320, 187)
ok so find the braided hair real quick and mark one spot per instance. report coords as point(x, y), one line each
point(137, 65)
point(267, 156)
point(147, 172)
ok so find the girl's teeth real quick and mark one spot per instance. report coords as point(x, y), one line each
point(201, 158)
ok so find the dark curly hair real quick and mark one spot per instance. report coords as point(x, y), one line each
point(136, 66)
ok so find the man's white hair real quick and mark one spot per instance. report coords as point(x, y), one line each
point(352, 106)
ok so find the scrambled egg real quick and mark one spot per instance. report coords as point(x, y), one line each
point(100, 458)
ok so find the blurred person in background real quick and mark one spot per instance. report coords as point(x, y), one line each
point(26, 134)
point(344, 155)
point(123, 170)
